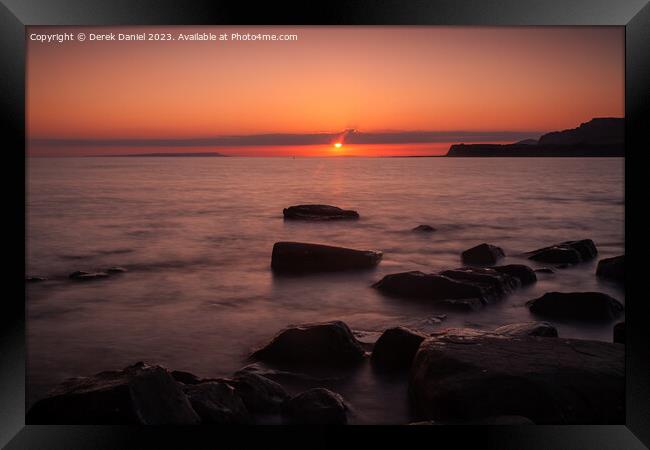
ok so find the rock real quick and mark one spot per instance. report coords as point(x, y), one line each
point(297, 257)
point(328, 343)
point(466, 287)
point(260, 394)
point(80, 275)
point(569, 252)
point(550, 381)
point(217, 403)
point(482, 255)
point(612, 268)
point(523, 273)
point(116, 269)
point(185, 377)
point(619, 333)
point(318, 212)
point(544, 270)
point(317, 406)
point(494, 420)
point(576, 306)
point(424, 229)
point(527, 329)
point(34, 279)
point(139, 394)
point(396, 348)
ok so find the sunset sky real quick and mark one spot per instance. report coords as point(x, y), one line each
point(455, 84)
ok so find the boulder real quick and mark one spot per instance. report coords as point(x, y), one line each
point(81, 275)
point(482, 255)
point(139, 394)
point(544, 329)
point(424, 229)
point(612, 268)
point(523, 273)
point(569, 252)
point(185, 377)
point(217, 402)
point(549, 381)
point(466, 287)
point(318, 212)
point(260, 394)
point(327, 344)
point(619, 333)
point(576, 306)
point(298, 257)
point(395, 348)
point(317, 406)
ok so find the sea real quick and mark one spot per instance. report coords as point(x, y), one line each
point(195, 235)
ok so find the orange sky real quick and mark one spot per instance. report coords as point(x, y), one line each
point(332, 78)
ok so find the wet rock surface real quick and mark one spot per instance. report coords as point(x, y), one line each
point(319, 212)
point(468, 376)
point(139, 394)
point(217, 403)
point(619, 333)
point(396, 348)
point(424, 229)
point(527, 329)
point(584, 306)
point(81, 275)
point(523, 273)
point(259, 394)
point(327, 344)
point(298, 257)
point(483, 254)
point(612, 268)
point(568, 252)
point(318, 406)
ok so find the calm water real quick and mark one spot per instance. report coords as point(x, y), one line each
point(196, 236)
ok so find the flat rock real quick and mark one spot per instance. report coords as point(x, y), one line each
point(217, 402)
point(523, 273)
point(466, 287)
point(260, 394)
point(585, 306)
point(327, 344)
point(317, 406)
point(549, 381)
point(619, 333)
point(81, 275)
point(139, 394)
point(395, 348)
point(568, 252)
point(424, 229)
point(527, 329)
point(612, 268)
point(319, 212)
point(482, 255)
point(298, 257)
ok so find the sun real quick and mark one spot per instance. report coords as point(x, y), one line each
point(338, 145)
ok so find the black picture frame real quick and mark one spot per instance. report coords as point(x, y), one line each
point(15, 15)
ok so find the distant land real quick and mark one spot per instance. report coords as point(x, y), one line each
point(170, 155)
point(604, 136)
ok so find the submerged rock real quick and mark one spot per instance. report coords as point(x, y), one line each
point(569, 252)
point(139, 394)
point(527, 329)
point(523, 273)
point(217, 403)
point(116, 269)
point(424, 229)
point(550, 381)
point(260, 394)
point(34, 279)
point(576, 305)
point(619, 333)
point(544, 270)
point(482, 255)
point(298, 257)
point(318, 212)
point(612, 268)
point(466, 287)
point(328, 344)
point(317, 406)
point(81, 275)
point(396, 348)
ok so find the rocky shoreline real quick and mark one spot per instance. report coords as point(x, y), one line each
point(516, 373)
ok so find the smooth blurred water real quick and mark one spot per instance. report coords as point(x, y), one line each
point(196, 236)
